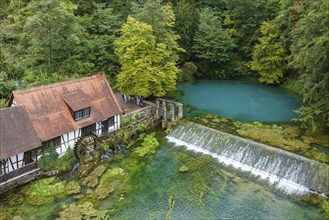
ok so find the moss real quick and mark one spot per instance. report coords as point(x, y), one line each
point(39, 199)
point(44, 191)
point(273, 135)
point(77, 211)
point(198, 167)
point(92, 179)
point(292, 131)
point(320, 136)
point(15, 199)
point(72, 187)
point(148, 146)
point(183, 169)
point(316, 154)
point(217, 119)
point(171, 205)
point(7, 213)
point(320, 201)
point(204, 120)
point(325, 207)
point(109, 181)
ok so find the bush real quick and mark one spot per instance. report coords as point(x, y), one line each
point(50, 160)
point(148, 146)
point(187, 72)
point(65, 162)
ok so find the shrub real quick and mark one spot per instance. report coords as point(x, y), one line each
point(65, 162)
point(148, 146)
point(187, 72)
point(49, 159)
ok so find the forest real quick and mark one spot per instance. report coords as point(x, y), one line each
point(147, 47)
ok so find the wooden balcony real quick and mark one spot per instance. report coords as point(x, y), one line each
point(18, 172)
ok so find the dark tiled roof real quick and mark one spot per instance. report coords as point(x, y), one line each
point(48, 106)
point(17, 134)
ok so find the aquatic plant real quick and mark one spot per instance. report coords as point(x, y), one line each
point(44, 191)
point(273, 135)
point(325, 207)
point(320, 201)
point(183, 169)
point(198, 168)
point(148, 145)
point(108, 182)
point(92, 179)
point(72, 187)
point(316, 154)
point(171, 205)
point(77, 211)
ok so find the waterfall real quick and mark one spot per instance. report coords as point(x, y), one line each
point(287, 171)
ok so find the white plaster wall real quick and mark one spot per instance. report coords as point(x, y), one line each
point(99, 128)
point(13, 103)
point(68, 140)
point(13, 159)
point(119, 118)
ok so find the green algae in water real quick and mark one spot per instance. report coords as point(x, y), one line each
point(158, 190)
point(207, 191)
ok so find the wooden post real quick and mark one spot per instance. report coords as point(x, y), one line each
point(164, 108)
point(172, 111)
point(157, 106)
point(180, 111)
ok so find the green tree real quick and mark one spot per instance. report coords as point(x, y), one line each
point(55, 38)
point(185, 26)
point(162, 19)
point(269, 56)
point(146, 66)
point(104, 29)
point(244, 18)
point(6, 84)
point(212, 42)
point(310, 55)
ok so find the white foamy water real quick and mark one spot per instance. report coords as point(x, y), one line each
point(288, 172)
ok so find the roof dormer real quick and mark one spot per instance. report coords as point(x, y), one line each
point(79, 103)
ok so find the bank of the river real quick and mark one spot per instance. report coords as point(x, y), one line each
point(142, 183)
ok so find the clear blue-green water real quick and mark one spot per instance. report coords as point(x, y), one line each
point(206, 191)
point(244, 101)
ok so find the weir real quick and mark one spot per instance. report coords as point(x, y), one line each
point(286, 171)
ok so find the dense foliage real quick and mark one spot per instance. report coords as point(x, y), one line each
point(146, 46)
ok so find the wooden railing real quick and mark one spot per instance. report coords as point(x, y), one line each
point(18, 172)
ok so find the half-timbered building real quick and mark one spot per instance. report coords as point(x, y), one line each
point(19, 143)
point(62, 112)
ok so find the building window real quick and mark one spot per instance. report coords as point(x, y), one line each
point(111, 121)
point(89, 129)
point(53, 142)
point(81, 114)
